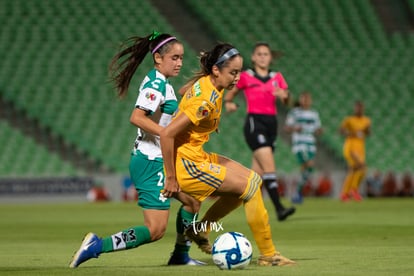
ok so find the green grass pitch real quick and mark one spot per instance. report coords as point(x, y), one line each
point(325, 237)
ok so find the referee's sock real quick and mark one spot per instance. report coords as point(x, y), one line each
point(271, 185)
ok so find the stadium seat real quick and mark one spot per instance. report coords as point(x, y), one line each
point(55, 56)
point(353, 58)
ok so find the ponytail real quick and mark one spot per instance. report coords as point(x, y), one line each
point(133, 51)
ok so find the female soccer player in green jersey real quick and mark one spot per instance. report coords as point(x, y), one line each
point(304, 124)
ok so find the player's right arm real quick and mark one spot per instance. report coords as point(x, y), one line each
point(139, 118)
point(148, 102)
point(343, 129)
point(228, 99)
point(290, 125)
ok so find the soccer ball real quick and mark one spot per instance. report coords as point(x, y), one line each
point(232, 250)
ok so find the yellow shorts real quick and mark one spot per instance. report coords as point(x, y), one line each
point(354, 154)
point(200, 178)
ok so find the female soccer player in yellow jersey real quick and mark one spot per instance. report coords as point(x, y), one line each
point(190, 169)
point(355, 128)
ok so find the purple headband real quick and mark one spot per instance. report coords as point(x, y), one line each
point(162, 43)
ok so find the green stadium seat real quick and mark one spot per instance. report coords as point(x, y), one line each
point(55, 58)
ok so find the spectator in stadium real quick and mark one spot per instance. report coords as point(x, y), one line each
point(406, 188)
point(98, 193)
point(324, 187)
point(389, 187)
point(190, 169)
point(355, 129)
point(261, 88)
point(153, 110)
point(374, 184)
point(303, 123)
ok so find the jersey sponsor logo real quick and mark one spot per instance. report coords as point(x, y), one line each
point(150, 96)
point(214, 96)
point(197, 89)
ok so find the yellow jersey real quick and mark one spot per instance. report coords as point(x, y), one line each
point(356, 126)
point(202, 104)
point(354, 146)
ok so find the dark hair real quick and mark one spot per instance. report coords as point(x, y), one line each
point(258, 44)
point(305, 93)
point(133, 51)
point(275, 53)
point(210, 58)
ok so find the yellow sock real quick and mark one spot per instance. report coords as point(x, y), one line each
point(359, 175)
point(348, 183)
point(254, 182)
point(258, 221)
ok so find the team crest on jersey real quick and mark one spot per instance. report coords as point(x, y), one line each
point(162, 197)
point(150, 96)
point(202, 111)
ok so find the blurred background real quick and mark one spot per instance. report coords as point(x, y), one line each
point(63, 132)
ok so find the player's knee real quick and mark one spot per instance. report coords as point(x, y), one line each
point(253, 185)
point(157, 231)
point(192, 206)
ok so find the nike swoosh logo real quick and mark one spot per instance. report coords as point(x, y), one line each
point(86, 247)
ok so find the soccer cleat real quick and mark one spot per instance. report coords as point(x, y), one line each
point(344, 197)
point(275, 260)
point(199, 238)
point(356, 196)
point(184, 260)
point(283, 214)
point(90, 248)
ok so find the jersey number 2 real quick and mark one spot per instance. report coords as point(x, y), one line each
point(160, 181)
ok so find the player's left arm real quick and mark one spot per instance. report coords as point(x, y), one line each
point(282, 94)
point(281, 91)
